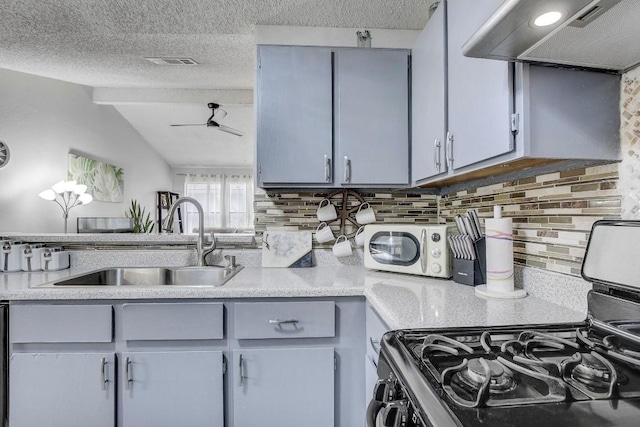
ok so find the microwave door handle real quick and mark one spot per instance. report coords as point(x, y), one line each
point(423, 249)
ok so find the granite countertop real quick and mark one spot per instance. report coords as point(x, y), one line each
point(402, 301)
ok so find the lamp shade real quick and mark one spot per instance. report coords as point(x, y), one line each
point(85, 198)
point(59, 187)
point(80, 189)
point(48, 194)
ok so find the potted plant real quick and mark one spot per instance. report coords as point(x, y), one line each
point(141, 223)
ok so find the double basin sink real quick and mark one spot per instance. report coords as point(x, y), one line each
point(152, 276)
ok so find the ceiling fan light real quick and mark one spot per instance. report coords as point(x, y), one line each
point(219, 114)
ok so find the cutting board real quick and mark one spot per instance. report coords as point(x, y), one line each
point(286, 249)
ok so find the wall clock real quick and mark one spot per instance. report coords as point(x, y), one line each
point(4, 154)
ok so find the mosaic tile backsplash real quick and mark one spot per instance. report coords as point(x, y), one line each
point(630, 145)
point(297, 211)
point(552, 213)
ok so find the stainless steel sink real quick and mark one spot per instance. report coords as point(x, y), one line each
point(152, 276)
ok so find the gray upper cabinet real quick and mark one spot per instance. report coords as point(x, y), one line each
point(500, 117)
point(332, 117)
point(294, 121)
point(480, 90)
point(428, 101)
point(372, 117)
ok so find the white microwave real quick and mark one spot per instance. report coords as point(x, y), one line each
point(412, 249)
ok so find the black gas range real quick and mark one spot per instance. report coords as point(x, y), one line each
point(584, 374)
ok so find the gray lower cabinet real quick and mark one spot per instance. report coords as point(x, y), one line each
point(375, 329)
point(173, 388)
point(62, 389)
point(284, 387)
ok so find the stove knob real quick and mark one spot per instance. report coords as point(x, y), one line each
point(436, 253)
point(436, 268)
point(395, 414)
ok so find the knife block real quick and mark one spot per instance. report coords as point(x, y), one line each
point(472, 272)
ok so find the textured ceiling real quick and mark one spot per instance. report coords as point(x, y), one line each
point(102, 43)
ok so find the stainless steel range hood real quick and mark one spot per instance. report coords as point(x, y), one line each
point(599, 34)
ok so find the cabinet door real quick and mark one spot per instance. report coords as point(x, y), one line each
point(480, 90)
point(180, 388)
point(428, 99)
point(283, 387)
point(62, 389)
point(294, 115)
point(372, 117)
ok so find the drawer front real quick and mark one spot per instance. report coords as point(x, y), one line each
point(375, 329)
point(61, 323)
point(262, 320)
point(173, 321)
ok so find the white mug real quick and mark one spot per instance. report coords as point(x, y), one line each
point(342, 248)
point(324, 233)
point(366, 215)
point(359, 237)
point(326, 212)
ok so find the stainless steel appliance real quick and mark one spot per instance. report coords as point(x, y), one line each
point(585, 374)
point(412, 249)
point(600, 34)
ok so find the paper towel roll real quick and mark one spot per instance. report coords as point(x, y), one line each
point(499, 241)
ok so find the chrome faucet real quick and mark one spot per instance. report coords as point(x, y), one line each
point(201, 249)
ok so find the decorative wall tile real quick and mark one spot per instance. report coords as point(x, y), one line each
point(630, 138)
point(298, 211)
point(552, 213)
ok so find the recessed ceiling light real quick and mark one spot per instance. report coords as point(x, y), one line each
point(548, 18)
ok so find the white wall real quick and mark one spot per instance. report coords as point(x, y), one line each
point(41, 120)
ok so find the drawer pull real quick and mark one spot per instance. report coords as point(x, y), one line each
point(284, 322)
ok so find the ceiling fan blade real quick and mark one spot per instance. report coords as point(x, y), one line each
point(193, 124)
point(230, 130)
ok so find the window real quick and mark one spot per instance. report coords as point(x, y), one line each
point(226, 200)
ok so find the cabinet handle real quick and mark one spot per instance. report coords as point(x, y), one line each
point(103, 374)
point(375, 345)
point(436, 155)
point(449, 149)
point(241, 370)
point(283, 322)
point(327, 168)
point(127, 373)
point(347, 169)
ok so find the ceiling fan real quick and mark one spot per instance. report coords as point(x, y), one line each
point(217, 114)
